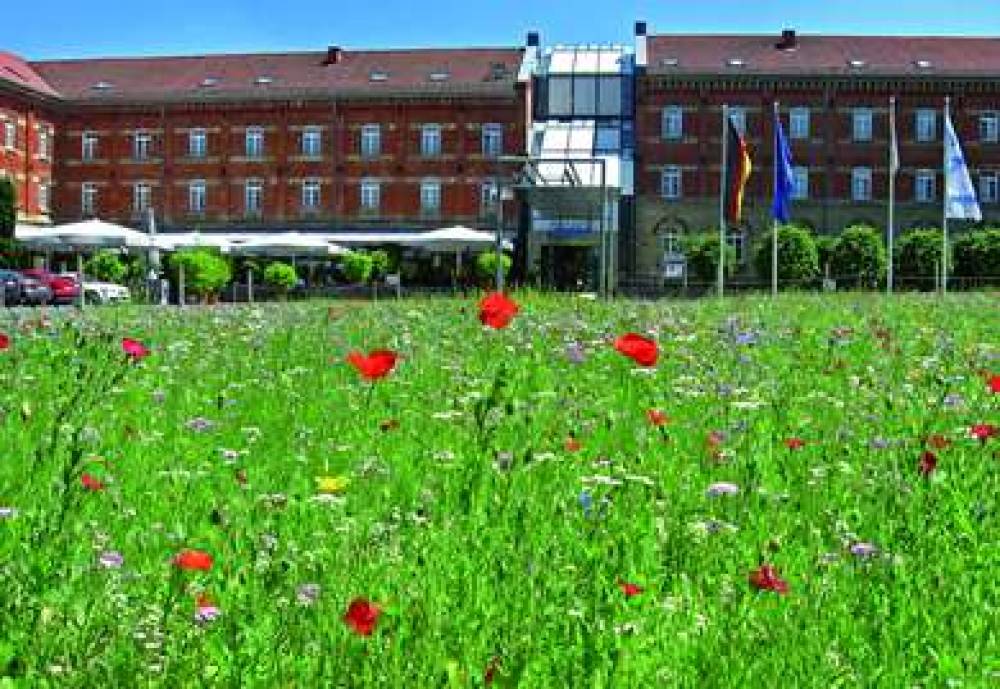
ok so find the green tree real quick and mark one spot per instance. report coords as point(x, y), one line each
point(205, 271)
point(798, 258)
point(381, 264)
point(106, 265)
point(486, 264)
point(977, 254)
point(702, 254)
point(281, 276)
point(859, 253)
point(8, 208)
point(357, 266)
point(918, 253)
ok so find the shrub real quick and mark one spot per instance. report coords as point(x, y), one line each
point(977, 254)
point(357, 266)
point(918, 253)
point(702, 254)
point(798, 258)
point(107, 266)
point(205, 272)
point(8, 208)
point(382, 264)
point(281, 276)
point(486, 264)
point(859, 253)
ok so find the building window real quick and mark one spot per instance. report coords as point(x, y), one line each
point(861, 184)
point(492, 140)
point(670, 182)
point(310, 194)
point(196, 196)
point(430, 140)
point(798, 123)
point(671, 244)
point(43, 197)
point(43, 145)
point(371, 141)
point(862, 124)
point(312, 142)
point(738, 116)
point(370, 195)
point(988, 187)
point(487, 196)
point(141, 144)
point(197, 143)
point(672, 122)
point(141, 194)
point(88, 199)
point(800, 183)
point(252, 196)
point(989, 127)
point(926, 125)
point(430, 197)
point(89, 146)
point(255, 142)
point(10, 135)
point(925, 186)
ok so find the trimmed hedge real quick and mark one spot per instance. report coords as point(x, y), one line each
point(859, 254)
point(977, 254)
point(281, 276)
point(106, 265)
point(205, 271)
point(798, 258)
point(486, 264)
point(918, 253)
point(702, 252)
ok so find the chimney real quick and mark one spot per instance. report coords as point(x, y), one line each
point(788, 40)
point(333, 55)
point(534, 40)
point(640, 28)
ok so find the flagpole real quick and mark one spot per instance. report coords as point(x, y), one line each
point(944, 220)
point(722, 203)
point(774, 222)
point(893, 162)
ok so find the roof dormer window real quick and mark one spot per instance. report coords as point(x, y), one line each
point(856, 63)
point(923, 64)
point(440, 75)
point(263, 81)
point(735, 62)
point(378, 75)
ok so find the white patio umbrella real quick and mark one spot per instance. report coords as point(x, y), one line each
point(456, 239)
point(285, 244)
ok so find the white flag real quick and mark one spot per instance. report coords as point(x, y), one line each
point(960, 195)
point(893, 145)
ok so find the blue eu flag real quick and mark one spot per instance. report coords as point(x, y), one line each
point(784, 178)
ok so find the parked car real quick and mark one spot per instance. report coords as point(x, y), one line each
point(64, 290)
point(98, 292)
point(19, 289)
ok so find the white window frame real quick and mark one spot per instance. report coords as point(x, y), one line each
point(989, 127)
point(142, 145)
point(989, 187)
point(862, 124)
point(371, 141)
point(142, 196)
point(44, 197)
point(672, 123)
point(925, 126)
point(253, 197)
point(10, 135)
point(311, 145)
point(370, 195)
point(254, 142)
point(197, 143)
point(430, 140)
point(197, 196)
point(861, 184)
point(88, 146)
point(492, 140)
point(671, 183)
point(487, 194)
point(798, 123)
point(88, 199)
point(925, 186)
point(738, 115)
point(44, 144)
point(311, 194)
point(800, 183)
point(430, 196)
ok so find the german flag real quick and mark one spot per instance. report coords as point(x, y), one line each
point(738, 169)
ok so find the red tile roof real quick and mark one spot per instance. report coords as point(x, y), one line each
point(304, 74)
point(882, 55)
point(16, 71)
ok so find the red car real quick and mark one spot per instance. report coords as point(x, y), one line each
point(65, 290)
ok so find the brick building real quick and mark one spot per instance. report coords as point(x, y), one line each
point(833, 94)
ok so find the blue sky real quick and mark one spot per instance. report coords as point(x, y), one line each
point(78, 28)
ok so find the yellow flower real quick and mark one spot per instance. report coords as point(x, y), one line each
point(332, 484)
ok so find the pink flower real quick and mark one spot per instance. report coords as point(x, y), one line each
point(134, 349)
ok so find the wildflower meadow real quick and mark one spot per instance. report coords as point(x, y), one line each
point(527, 491)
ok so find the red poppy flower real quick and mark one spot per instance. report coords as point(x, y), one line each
point(497, 310)
point(91, 483)
point(376, 365)
point(938, 441)
point(573, 445)
point(657, 417)
point(928, 463)
point(639, 349)
point(795, 443)
point(765, 578)
point(362, 615)
point(193, 560)
point(630, 589)
point(134, 349)
point(491, 670)
point(983, 432)
point(4, 342)
point(994, 384)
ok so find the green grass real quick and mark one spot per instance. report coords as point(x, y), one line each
point(465, 523)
